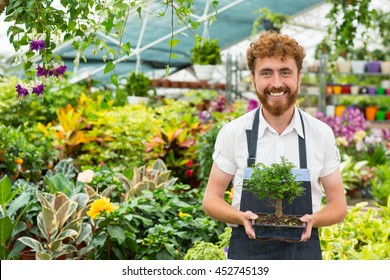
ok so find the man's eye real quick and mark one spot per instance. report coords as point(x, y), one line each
point(265, 74)
point(285, 73)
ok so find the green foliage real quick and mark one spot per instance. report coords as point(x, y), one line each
point(209, 251)
point(120, 134)
point(381, 184)
point(206, 51)
point(60, 226)
point(137, 84)
point(275, 183)
point(363, 235)
point(159, 224)
point(344, 21)
point(34, 110)
point(24, 152)
point(205, 150)
point(84, 19)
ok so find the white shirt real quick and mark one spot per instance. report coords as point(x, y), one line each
point(231, 150)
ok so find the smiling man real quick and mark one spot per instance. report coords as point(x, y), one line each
point(264, 135)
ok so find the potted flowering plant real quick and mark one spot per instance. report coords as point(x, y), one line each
point(276, 183)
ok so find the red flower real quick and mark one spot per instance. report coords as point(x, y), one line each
point(189, 163)
point(189, 173)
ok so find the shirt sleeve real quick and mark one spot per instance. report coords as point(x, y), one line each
point(331, 154)
point(223, 155)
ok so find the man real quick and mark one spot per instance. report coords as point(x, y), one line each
point(277, 129)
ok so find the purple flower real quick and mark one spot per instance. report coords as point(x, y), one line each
point(60, 70)
point(42, 71)
point(37, 45)
point(39, 89)
point(252, 104)
point(21, 91)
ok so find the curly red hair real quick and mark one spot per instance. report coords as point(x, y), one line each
point(271, 44)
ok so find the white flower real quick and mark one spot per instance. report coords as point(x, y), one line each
point(86, 176)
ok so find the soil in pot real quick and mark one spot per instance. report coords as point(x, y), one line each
point(286, 228)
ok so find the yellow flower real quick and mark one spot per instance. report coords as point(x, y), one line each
point(99, 206)
point(359, 135)
point(342, 141)
point(182, 215)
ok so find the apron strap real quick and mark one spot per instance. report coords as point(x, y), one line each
point(251, 136)
point(302, 146)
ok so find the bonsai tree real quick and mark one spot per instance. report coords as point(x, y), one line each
point(275, 183)
point(206, 52)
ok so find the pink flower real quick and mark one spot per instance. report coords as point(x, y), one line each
point(86, 176)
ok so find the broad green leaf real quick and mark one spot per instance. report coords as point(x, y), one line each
point(5, 190)
point(126, 48)
point(109, 67)
point(116, 232)
point(6, 228)
point(114, 80)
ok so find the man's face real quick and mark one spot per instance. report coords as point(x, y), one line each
point(276, 83)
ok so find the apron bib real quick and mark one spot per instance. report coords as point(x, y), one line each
point(243, 248)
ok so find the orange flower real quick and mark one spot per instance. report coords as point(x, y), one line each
point(19, 161)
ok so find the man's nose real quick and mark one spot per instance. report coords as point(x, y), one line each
point(277, 81)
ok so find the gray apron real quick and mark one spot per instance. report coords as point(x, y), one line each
point(243, 248)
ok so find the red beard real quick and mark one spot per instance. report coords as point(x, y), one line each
point(278, 108)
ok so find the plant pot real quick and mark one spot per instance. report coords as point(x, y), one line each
point(344, 67)
point(371, 90)
point(385, 67)
point(373, 67)
point(204, 72)
point(388, 91)
point(336, 89)
point(290, 233)
point(345, 89)
point(370, 112)
point(137, 100)
point(380, 91)
point(388, 116)
point(380, 115)
point(339, 110)
point(330, 110)
point(329, 89)
point(358, 66)
point(363, 90)
point(355, 90)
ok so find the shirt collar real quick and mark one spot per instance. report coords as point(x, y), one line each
point(294, 124)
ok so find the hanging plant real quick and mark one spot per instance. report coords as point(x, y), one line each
point(269, 20)
point(346, 17)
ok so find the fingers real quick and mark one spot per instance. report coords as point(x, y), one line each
point(309, 224)
point(249, 216)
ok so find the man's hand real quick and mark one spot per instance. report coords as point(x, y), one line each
point(308, 219)
point(247, 223)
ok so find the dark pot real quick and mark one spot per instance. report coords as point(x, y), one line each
point(289, 233)
point(269, 26)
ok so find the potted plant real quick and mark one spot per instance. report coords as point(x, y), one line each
point(276, 184)
point(359, 60)
point(269, 20)
point(137, 87)
point(204, 56)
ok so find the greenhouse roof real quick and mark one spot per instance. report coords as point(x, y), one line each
point(149, 37)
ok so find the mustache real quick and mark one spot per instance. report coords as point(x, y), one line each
point(270, 90)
